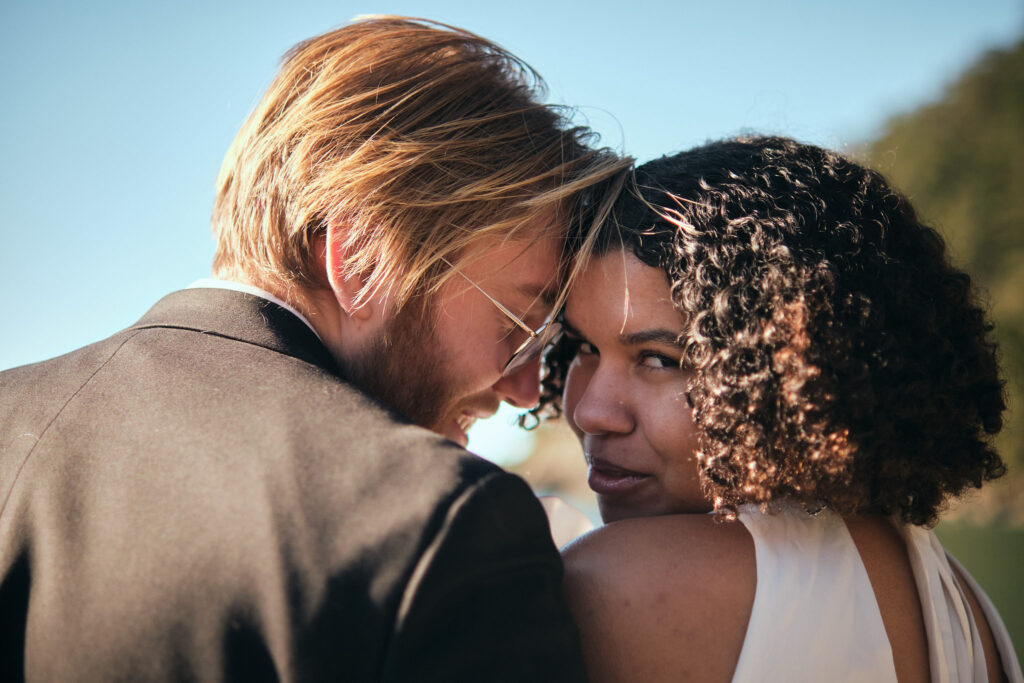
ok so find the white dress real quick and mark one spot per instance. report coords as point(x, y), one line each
point(813, 592)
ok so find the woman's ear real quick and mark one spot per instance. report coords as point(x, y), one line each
point(333, 252)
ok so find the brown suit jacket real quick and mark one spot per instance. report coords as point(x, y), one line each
point(202, 497)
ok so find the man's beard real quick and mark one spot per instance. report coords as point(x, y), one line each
point(405, 369)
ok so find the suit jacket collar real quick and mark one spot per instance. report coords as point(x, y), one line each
point(238, 315)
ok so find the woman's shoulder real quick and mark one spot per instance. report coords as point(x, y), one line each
point(669, 556)
point(641, 587)
point(643, 544)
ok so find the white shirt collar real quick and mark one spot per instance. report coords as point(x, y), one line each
point(213, 283)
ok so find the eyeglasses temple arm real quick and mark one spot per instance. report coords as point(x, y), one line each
point(526, 328)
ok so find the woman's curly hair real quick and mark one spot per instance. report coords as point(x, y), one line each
point(839, 358)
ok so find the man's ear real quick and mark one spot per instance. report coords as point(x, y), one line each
point(333, 253)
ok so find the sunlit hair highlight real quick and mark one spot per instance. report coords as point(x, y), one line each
point(414, 140)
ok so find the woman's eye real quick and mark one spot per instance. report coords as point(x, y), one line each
point(658, 360)
point(575, 346)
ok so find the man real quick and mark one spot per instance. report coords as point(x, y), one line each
point(240, 486)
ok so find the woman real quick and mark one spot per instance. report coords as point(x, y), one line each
point(769, 334)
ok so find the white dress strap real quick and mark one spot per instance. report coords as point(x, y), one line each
point(954, 642)
point(812, 594)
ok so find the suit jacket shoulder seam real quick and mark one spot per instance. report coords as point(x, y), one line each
point(53, 418)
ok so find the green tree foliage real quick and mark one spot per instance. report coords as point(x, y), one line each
point(961, 162)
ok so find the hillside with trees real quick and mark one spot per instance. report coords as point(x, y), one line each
point(961, 161)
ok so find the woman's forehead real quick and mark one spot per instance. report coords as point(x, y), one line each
point(619, 293)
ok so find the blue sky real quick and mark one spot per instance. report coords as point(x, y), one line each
point(115, 115)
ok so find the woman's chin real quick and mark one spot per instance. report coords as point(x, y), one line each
point(613, 510)
point(617, 510)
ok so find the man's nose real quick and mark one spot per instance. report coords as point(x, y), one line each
point(521, 387)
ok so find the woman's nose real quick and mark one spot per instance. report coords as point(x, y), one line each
point(601, 405)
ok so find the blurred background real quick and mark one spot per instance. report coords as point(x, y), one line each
point(116, 116)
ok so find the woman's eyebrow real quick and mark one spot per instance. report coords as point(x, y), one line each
point(569, 328)
point(656, 335)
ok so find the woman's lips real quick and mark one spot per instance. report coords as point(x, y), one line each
point(606, 479)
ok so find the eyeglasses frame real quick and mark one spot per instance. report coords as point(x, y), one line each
point(538, 339)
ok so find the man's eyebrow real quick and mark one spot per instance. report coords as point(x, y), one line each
point(545, 293)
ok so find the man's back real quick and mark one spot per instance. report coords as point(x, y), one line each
point(201, 497)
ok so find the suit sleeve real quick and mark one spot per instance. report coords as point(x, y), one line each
point(485, 602)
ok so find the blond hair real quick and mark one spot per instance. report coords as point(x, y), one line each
point(417, 139)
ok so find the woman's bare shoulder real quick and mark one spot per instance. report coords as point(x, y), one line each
point(666, 537)
point(657, 598)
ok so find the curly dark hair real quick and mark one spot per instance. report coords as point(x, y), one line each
point(839, 358)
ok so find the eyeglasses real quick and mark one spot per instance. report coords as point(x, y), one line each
point(534, 344)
